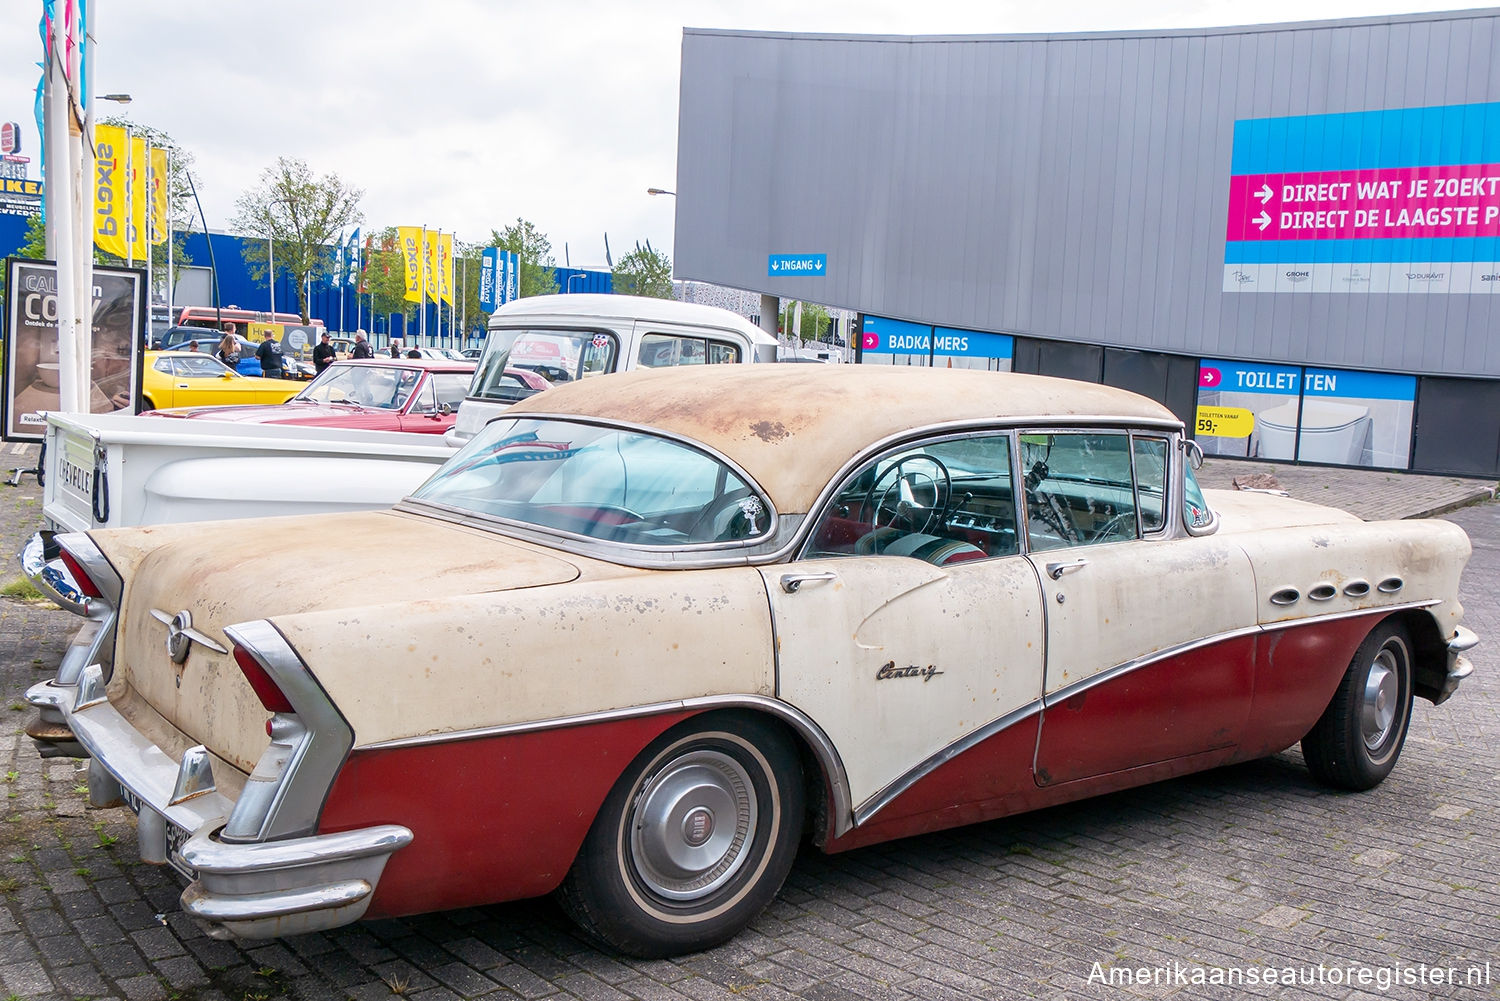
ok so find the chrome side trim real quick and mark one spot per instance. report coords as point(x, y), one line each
point(822, 747)
point(284, 796)
point(1352, 613)
point(1111, 673)
point(885, 796)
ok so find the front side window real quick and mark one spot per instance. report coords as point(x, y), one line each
point(451, 388)
point(557, 355)
point(377, 386)
point(604, 483)
point(944, 502)
point(1079, 489)
point(1151, 482)
point(198, 368)
point(425, 401)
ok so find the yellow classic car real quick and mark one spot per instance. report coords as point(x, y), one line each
point(191, 378)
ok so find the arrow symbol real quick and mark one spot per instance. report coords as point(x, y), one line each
point(1263, 220)
point(817, 265)
point(775, 265)
point(1265, 193)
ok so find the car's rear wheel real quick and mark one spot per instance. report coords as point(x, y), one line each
point(1356, 742)
point(694, 840)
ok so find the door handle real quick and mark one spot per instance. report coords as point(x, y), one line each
point(792, 581)
point(1056, 570)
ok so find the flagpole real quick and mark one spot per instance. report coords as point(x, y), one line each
point(426, 267)
point(150, 231)
point(343, 267)
point(58, 112)
point(129, 200)
point(171, 274)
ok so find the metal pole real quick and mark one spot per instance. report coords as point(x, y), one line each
point(213, 267)
point(171, 267)
point(271, 273)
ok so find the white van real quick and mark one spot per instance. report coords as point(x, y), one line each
point(564, 338)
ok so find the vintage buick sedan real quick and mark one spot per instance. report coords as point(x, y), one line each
point(656, 630)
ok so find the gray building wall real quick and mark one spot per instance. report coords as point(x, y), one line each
point(1068, 187)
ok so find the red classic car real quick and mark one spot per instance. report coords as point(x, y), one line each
point(406, 394)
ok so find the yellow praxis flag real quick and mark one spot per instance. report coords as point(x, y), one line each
point(158, 180)
point(429, 266)
point(410, 238)
point(140, 198)
point(108, 219)
point(445, 267)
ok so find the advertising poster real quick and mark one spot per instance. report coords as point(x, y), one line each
point(1397, 201)
point(1248, 410)
point(1357, 418)
point(885, 341)
point(31, 344)
point(1282, 412)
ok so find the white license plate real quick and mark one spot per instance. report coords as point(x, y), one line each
point(176, 836)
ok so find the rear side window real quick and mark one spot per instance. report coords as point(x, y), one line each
point(669, 350)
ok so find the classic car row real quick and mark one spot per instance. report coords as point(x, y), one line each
point(657, 630)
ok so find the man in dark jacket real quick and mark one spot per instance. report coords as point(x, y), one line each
point(269, 354)
point(361, 348)
point(323, 353)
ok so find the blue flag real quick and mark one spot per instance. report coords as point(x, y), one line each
point(351, 260)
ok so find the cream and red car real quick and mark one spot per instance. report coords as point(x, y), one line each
point(656, 630)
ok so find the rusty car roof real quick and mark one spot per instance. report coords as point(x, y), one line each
point(792, 426)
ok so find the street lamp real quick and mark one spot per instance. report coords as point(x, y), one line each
point(580, 274)
point(660, 191)
point(117, 98)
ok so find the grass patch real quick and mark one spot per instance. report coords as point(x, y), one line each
point(24, 591)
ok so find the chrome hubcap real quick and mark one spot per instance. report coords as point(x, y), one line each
point(1382, 693)
point(692, 824)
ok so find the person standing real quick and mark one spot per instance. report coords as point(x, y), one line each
point(362, 347)
point(228, 350)
point(323, 353)
point(269, 354)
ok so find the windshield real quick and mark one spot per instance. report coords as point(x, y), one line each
point(556, 354)
point(377, 386)
point(603, 483)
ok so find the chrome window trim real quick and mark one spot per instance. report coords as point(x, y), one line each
point(615, 552)
point(896, 787)
point(870, 807)
point(822, 747)
point(788, 535)
point(292, 807)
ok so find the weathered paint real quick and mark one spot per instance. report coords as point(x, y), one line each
point(977, 625)
point(792, 426)
point(541, 653)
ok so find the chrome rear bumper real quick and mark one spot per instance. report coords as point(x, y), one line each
point(251, 890)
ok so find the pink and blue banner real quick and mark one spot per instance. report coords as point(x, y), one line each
point(1404, 200)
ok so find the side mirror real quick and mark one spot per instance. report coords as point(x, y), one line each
point(1194, 452)
point(444, 410)
point(226, 374)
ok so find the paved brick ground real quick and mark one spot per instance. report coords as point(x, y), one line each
point(1244, 866)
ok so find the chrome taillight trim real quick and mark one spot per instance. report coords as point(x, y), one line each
point(284, 795)
point(95, 640)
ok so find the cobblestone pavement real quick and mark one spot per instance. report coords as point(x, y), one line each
point(1244, 867)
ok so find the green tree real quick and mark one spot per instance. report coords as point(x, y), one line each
point(302, 216)
point(644, 271)
point(385, 275)
point(815, 320)
point(535, 252)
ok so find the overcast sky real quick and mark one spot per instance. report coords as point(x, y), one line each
point(464, 114)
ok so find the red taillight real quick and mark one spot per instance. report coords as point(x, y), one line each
point(265, 689)
point(80, 577)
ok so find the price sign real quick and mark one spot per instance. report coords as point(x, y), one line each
point(1225, 422)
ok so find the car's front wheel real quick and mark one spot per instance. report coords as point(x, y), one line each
point(694, 840)
point(1356, 742)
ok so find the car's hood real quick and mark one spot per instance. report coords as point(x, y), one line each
point(1249, 511)
point(291, 412)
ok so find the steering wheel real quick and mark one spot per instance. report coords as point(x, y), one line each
point(1106, 531)
point(898, 492)
point(741, 520)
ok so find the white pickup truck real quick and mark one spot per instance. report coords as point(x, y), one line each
point(115, 470)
